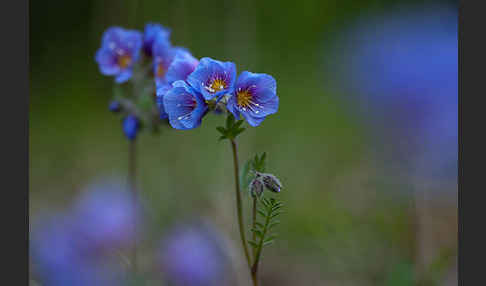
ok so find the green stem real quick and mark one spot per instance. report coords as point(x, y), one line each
point(254, 268)
point(133, 190)
point(253, 225)
point(238, 202)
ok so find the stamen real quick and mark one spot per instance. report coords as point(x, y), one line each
point(160, 70)
point(216, 85)
point(124, 61)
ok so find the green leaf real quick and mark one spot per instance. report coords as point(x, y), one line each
point(265, 243)
point(238, 124)
point(229, 121)
point(257, 232)
point(273, 224)
point(270, 238)
point(221, 130)
point(245, 175)
point(275, 214)
point(253, 244)
point(237, 132)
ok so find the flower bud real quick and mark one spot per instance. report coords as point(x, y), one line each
point(131, 126)
point(256, 187)
point(114, 106)
point(271, 182)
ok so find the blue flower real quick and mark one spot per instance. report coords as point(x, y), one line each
point(114, 106)
point(131, 126)
point(182, 65)
point(73, 247)
point(193, 255)
point(151, 33)
point(163, 54)
point(254, 97)
point(402, 67)
point(213, 78)
point(160, 92)
point(119, 51)
point(172, 64)
point(184, 106)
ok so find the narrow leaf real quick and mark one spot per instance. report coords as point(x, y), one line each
point(253, 244)
point(221, 130)
point(267, 242)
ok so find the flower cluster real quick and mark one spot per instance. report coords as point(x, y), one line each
point(213, 84)
point(185, 88)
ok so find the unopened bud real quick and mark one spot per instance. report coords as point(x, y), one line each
point(256, 187)
point(114, 106)
point(271, 182)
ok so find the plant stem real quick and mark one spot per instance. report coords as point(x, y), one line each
point(254, 268)
point(253, 225)
point(133, 190)
point(238, 202)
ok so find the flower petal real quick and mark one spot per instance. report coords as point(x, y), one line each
point(182, 66)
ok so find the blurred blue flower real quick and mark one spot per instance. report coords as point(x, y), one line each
point(404, 69)
point(163, 54)
point(254, 97)
point(184, 105)
point(152, 32)
point(114, 106)
point(182, 66)
point(213, 78)
point(119, 51)
point(104, 216)
point(131, 126)
point(74, 247)
point(193, 255)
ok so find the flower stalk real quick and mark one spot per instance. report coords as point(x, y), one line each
point(239, 209)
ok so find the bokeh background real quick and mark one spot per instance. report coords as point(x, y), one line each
point(365, 140)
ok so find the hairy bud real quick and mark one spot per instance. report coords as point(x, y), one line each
point(271, 182)
point(256, 187)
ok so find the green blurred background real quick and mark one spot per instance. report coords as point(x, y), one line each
point(345, 223)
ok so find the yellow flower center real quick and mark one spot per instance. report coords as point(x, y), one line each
point(243, 98)
point(124, 61)
point(160, 71)
point(217, 85)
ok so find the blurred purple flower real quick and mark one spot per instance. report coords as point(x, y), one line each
point(403, 67)
point(119, 51)
point(152, 32)
point(193, 255)
point(59, 257)
point(163, 54)
point(182, 65)
point(73, 247)
point(104, 216)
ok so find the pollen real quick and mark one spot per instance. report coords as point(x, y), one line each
point(217, 85)
point(243, 98)
point(124, 61)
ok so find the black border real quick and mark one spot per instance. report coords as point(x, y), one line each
point(14, 116)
